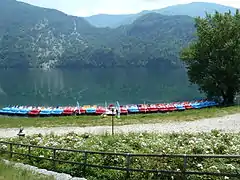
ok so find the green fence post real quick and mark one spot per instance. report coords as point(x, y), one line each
point(29, 153)
point(54, 159)
point(128, 163)
point(85, 156)
point(184, 166)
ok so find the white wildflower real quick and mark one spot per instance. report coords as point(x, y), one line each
point(4, 147)
point(191, 142)
point(200, 166)
point(213, 167)
point(38, 138)
point(230, 166)
point(143, 144)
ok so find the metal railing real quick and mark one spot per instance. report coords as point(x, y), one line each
point(128, 160)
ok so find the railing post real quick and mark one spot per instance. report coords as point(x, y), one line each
point(128, 162)
point(11, 150)
point(29, 152)
point(54, 159)
point(85, 156)
point(112, 122)
point(184, 166)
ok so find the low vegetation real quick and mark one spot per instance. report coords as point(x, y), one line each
point(9, 172)
point(82, 121)
point(214, 142)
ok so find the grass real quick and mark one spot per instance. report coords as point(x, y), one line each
point(8, 172)
point(83, 121)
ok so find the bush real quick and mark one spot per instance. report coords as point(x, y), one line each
point(202, 143)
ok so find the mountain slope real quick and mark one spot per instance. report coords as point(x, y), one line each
point(192, 9)
point(107, 20)
point(153, 40)
point(31, 36)
point(36, 34)
point(195, 9)
point(161, 36)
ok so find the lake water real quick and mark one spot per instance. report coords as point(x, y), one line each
point(93, 86)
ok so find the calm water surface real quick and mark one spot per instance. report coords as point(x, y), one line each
point(93, 86)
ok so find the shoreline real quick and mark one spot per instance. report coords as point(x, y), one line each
point(228, 123)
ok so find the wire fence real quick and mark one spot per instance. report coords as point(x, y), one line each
point(126, 164)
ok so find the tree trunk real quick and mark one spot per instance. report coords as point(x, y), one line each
point(228, 97)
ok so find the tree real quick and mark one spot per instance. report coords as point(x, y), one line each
point(213, 59)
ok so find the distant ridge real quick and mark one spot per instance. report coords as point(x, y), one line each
point(191, 9)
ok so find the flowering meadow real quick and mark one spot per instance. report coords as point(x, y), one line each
point(215, 142)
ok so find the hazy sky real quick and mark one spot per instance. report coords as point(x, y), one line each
point(90, 7)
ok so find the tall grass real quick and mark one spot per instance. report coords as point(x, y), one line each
point(9, 172)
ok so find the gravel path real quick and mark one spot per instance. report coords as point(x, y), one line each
point(229, 123)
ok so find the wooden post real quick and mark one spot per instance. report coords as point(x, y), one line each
point(184, 166)
point(11, 150)
point(84, 163)
point(54, 159)
point(29, 153)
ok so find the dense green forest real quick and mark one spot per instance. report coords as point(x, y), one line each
point(31, 36)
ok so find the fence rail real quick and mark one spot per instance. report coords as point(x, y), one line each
point(128, 156)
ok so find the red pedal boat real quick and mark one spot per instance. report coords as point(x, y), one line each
point(171, 107)
point(80, 110)
point(100, 110)
point(187, 105)
point(34, 112)
point(68, 111)
point(143, 108)
point(123, 110)
point(162, 108)
point(152, 108)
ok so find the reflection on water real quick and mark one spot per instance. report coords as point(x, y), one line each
point(93, 86)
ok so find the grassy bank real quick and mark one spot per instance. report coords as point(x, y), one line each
point(201, 143)
point(8, 172)
point(82, 121)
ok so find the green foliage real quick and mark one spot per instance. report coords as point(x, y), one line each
point(213, 59)
point(36, 37)
point(206, 143)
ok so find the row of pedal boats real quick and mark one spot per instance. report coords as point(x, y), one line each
point(109, 110)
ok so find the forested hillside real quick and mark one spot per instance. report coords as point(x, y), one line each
point(31, 36)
